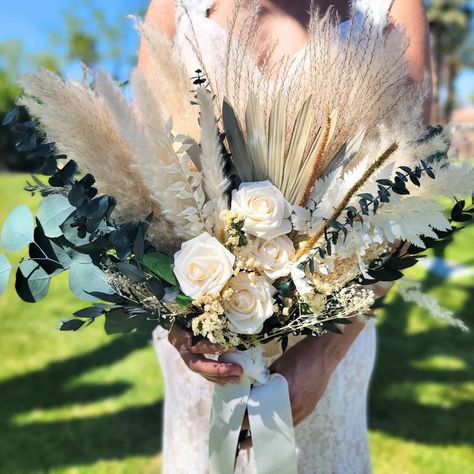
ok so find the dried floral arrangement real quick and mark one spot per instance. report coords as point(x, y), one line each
point(253, 201)
point(259, 210)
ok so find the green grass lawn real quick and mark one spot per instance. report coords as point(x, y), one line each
point(88, 403)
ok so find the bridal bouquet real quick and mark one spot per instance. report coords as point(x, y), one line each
point(247, 203)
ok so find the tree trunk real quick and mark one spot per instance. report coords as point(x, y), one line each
point(452, 72)
point(437, 31)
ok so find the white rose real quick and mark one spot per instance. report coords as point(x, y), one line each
point(250, 305)
point(274, 255)
point(203, 265)
point(264, 207)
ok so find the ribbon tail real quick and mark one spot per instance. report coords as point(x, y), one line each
point(271, 426)
point(228, 409)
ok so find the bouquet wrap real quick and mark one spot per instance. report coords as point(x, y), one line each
point(266, 399)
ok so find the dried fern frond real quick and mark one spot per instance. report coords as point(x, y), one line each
point(81, 125)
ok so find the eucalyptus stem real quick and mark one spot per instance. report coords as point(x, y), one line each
point(385, 186)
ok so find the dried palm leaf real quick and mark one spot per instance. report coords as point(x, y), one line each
point(256, 138)
point(277, 139)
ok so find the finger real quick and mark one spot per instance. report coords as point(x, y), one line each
point(206, 347)
point(214, 380)
point(179, 337)
point(223, 380)
point(200, 364)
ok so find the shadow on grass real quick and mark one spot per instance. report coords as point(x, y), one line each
point(42, 446)
point(394, 408)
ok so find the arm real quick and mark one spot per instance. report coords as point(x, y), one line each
point(411, 16)
point(161, 13)
point(309, 364)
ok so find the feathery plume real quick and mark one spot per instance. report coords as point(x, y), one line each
point(81, 125)
point(168, 79)
point(171, 182)
point(212, 164)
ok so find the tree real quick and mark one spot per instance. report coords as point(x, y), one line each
point(12, 56)
point(449, 23)
point(461, 56)
point(90, 36)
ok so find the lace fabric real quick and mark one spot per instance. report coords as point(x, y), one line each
point(333, 439)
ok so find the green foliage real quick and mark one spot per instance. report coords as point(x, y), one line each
point(17, 231)
point(32, 282)
point(86, 279)
point(161, 265)
point(5, 270)
point(52, 212)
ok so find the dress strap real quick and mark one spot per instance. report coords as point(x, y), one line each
point(194, 8)
point(376, 10)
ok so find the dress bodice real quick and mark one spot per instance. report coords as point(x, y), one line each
point(196, 11)
point(196, 31)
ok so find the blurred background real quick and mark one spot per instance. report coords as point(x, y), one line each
point(88, 403)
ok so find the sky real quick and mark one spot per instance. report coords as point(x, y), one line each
point(31, 20)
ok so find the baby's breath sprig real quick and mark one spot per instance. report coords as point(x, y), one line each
point(234, 224)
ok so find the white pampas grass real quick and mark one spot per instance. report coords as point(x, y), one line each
point(361, 76)
point(168, 80)
point(165, 172)
point(81, 125)
point(215, 181)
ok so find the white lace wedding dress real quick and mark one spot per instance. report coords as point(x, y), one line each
point(333, 439)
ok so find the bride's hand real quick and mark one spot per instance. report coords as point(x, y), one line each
point(308, 366)
point(193, 356)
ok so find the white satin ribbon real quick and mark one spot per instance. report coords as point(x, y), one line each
point(267, 401)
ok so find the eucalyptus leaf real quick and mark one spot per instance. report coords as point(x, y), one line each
point(122, 321)
point(42, 252)
point(5, 270)
point(65, 254)
point(18, 229)
point(70, 324)
point(119, 321)
point(131, 271)
point(53, 212)
point(32, 282)
point(90, 313)
point(11, 117)
point(171, 294)
point(86, 278)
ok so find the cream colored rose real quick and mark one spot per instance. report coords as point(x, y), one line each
point(274, 255)
point(203, 265)
point(264, 207)
point(250, 305)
